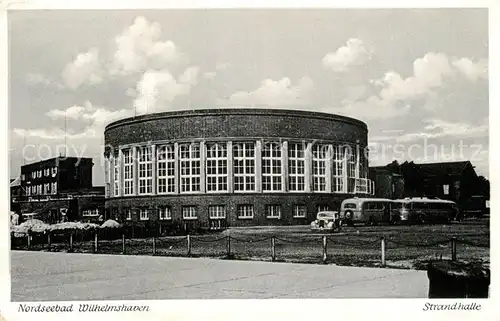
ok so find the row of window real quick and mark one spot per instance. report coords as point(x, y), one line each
point(41, 173)
point(90, 212)
point(189, 162)
point(42, 189)
point(244, 211)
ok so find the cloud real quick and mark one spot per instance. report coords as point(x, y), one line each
point(157, 89)
point(85, 69)
point(437, 128)
point(397, 95)
point(353, 53)
point(190, 76)
point(35, 79)
point(274, 93)
point(96, 118)
point(209, 75)
point(222, 65)
point(472, 70)
point(139, 47)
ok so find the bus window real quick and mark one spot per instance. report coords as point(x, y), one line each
point(349, 205)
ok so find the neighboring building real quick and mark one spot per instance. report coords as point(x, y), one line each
point(60, 189)
point(15, 193)
point(235, 167)
point(387, 184)
point(456, 181)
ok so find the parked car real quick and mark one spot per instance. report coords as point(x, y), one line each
point(326, 221)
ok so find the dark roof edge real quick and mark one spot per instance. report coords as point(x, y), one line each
point(234, 111)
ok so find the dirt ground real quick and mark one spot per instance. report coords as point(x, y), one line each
point(405, 246)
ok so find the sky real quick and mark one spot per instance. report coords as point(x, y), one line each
point(417, 77)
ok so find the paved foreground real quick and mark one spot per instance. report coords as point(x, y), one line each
point(41, 276)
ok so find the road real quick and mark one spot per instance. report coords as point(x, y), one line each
point(42, 276)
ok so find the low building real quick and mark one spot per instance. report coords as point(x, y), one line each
point(455, 181)
point(59, 189)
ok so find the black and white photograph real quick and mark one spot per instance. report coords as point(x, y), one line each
point(248, 153)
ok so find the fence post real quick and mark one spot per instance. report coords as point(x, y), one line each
point(228, 246)
point(48, 240)
point(453, 248)
point(29, 240)
point(123, 242)
point(189, 245)
point(382, 246)
point(324, 249)
point(71, 241)
point(96, 241)
point(154, 244)
point(273, 249)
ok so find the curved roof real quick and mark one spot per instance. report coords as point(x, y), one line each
point(235, 111)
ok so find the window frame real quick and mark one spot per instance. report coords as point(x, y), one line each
point(192, 209)
point(295, 210)
point(271, 161)
point(271, 210)
point(192, 158)
point(245, 208)
point(216, 168)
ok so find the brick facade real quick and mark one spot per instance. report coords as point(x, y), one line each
point(230, 126)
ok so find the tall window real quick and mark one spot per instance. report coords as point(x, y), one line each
point(28, 190)
point(273, 211)
point(128, 172)
point(53, 188)
point(128, 214)
point(116, 176)
point(319, 167)
point(351, 168)
point(190, 167)
point(216, 211)
point(46, 188)
point(338, 169)
point(166, 169)
point(271, 167)
point(165, 213)
point(216, 167)
point(245, 211)
point(189, 212)
point(296, 167)
point(145, 162)
point(244, 166)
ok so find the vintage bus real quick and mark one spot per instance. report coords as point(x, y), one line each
point(369, 211)
point(423, 210)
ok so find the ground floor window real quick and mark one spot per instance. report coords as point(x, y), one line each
point(299, 211)
point(165, 213)
point(322, 208)
point(189, 212)
point(217, 211)
point(128, 214)
point(245, 211)
point(273, 211)
point(143, 214)
point(90, 212)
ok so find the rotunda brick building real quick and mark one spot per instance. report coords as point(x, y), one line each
point(233, 167)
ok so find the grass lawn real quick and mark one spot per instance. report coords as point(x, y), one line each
point(405, 246)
